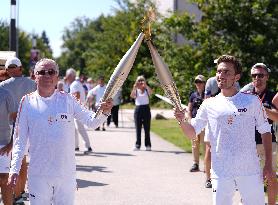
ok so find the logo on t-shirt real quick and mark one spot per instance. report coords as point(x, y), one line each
point(242, 110)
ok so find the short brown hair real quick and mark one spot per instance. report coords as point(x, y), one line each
point(230, 59)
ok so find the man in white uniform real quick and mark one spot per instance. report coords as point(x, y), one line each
point(231, 117)
point(46, 119)
point(77, 90)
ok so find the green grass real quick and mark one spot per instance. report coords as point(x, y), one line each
point(170, 131)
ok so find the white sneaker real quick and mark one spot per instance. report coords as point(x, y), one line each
point(136, 149)
point(148, 149)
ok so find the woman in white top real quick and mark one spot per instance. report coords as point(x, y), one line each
point(142, 115)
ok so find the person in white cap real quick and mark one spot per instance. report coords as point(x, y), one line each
point(46, 120)
point(18, 85)
point(77, 90)
point(231, 118)
point(260, 75)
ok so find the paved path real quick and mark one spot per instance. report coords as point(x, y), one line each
point(115, 174)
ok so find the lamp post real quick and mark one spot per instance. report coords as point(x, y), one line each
point(13, 37)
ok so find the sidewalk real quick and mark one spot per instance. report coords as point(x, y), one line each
point(115, 174)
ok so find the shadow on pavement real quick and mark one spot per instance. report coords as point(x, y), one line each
point(115, 154)
point(84, 183)
point(86, 168)
point(173, 152)
point(81, 154)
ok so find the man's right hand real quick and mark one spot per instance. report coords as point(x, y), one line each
point(6, 149)
point(12, 180)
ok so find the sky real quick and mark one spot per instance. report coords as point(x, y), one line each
point(54, 15)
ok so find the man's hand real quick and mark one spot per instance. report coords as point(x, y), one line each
point(106, 106)
point(179, 114)
point(268, 172)
point(12, 180)
point(6, 149)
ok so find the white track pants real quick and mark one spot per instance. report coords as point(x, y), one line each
point(250, 188)
point(79, 128)
point(54, 190)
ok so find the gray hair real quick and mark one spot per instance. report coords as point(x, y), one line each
point(46, 61)
point(71, 71)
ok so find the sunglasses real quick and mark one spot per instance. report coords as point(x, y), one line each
point(259, 75)
point(198, 81)
point(12, 66)
point(49, 72)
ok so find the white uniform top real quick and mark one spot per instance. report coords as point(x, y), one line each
point(49, 126)
point(98, 92)
point(141, 98)
point(231, 125)
point(75, 87)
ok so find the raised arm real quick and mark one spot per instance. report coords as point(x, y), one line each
point(133, 91)
point(86, 116)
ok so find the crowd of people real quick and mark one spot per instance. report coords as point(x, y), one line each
point(48, 114)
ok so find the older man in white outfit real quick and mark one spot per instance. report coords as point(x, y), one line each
point(46, 119)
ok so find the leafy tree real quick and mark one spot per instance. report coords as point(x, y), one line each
point(24, 45)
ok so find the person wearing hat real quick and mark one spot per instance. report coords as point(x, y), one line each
point(260, 75)
point(18, 86)
point(195, 100)
point(231, 118)
point(46, 122)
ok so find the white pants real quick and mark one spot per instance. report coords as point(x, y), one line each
point(251, 190)
point(54, 190)
point(79, 127)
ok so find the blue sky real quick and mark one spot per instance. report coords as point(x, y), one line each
point(54, 15)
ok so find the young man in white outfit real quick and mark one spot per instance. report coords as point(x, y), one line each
point(77, 90)
point(231, 117)
point(46, 119)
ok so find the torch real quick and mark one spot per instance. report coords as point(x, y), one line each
point(121, 72)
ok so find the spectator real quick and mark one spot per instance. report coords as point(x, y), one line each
point(195, 100)
point(142, 114)
point(18, 85)
point(77, 90)
point(8, 109)
point(96, 94)
point(260, 75)
point(115, 109)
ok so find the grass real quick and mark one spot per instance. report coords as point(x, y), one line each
point(170, 131)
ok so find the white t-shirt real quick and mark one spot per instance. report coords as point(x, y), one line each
point(76, 86)
point(98, 92)
point(231, 123)
point(49, 126)
point(141, 98)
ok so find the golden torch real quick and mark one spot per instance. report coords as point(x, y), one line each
point(121, 71)
point(163, 73)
